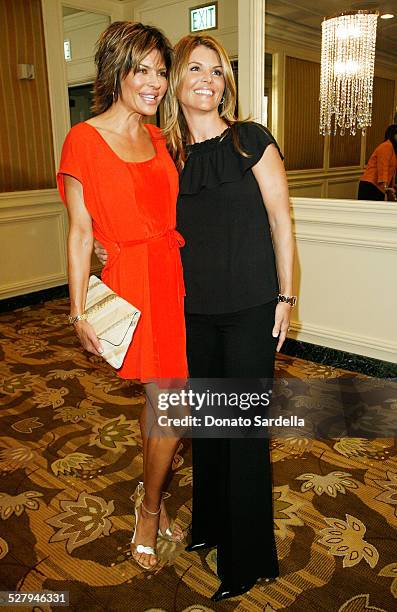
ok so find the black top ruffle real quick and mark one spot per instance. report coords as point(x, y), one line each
point(228, 259)
point(214, 161)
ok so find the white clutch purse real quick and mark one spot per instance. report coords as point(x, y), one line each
point(113, 319)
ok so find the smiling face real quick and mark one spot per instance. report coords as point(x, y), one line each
point(202, 86)
point(142, 91)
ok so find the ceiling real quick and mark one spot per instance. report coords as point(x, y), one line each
point(310, 13)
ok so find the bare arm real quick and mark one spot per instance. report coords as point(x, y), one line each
point(270, 175)
point(80, 242)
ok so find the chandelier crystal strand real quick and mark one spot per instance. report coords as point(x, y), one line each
point(347, 72)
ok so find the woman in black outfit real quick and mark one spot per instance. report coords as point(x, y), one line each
point(233, 200)
point(233, 206)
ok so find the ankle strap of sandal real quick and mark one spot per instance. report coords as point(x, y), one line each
point(149, 512)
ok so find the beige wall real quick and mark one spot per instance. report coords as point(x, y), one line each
point(32, 242)
point(173, 18)
point(346, 260)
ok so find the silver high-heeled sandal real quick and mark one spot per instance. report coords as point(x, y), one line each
point(168, 534)
point(140, 548)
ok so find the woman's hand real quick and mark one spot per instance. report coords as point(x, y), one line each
point(100, 252)
point(281, 323)
point(88, 337)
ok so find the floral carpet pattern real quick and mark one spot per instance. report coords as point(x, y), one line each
point(70, 458)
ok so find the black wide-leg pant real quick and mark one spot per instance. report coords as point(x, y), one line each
point(232, 485)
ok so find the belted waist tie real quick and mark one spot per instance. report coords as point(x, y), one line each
point(175, 241)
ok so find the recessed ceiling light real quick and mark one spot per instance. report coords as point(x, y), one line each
point(387, 16)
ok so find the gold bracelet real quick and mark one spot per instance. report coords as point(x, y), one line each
point(72, 319)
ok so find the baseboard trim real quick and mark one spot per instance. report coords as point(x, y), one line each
point(37, 297)
point(340, 359)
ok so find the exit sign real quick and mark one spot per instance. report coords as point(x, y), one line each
point(204, 17)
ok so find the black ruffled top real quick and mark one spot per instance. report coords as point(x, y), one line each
point(228, 259)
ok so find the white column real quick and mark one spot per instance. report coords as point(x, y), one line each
point(251, 58)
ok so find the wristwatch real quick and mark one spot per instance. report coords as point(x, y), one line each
point(72, 319)
point(288, 299)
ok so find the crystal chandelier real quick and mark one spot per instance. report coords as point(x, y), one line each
point(347, 71)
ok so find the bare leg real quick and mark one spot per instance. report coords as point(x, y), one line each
point(143, 419)
point(177, 534)
point(158, 451)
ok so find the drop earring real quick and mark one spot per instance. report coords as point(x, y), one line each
point(114, 90)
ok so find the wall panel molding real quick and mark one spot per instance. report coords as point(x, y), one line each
point(33, 227)
point(16, 199)
point(344, 341)
point(345, 261)
point(37, 284)
point(80, 21)
point(334, 183)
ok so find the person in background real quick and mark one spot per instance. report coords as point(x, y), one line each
point(120, 186)
point(378, 182)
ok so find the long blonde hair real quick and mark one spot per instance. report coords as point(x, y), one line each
point(176, 130)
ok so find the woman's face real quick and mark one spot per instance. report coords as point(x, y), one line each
point(143, 91)
point(203, 85)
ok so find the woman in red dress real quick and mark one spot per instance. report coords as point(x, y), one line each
point(120, 186)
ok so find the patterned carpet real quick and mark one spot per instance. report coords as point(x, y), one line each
point(70, 458)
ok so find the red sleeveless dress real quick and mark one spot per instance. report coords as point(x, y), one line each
point(133, 209)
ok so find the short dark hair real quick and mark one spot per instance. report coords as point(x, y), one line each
point(120, 49)
point(391, 131)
